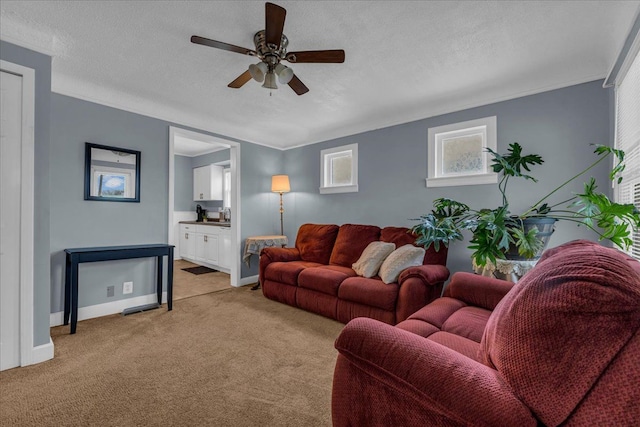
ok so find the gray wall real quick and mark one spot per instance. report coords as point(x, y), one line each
point(559, 125)
point(80, 223)
point(42, 66)
point(183, 184)
point(260, 214)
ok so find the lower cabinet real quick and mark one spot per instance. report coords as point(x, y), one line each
point(187, 241)
point(225, 247)
point(208, 245)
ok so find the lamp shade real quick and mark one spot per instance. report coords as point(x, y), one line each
point(284, 73)
point(270, 81)
point(258, 71)
point(280, 184)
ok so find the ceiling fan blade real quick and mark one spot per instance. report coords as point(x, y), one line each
point(241, 80)
point(274, 24)
point(297, 86)
point(326, 56)
point(221, 45)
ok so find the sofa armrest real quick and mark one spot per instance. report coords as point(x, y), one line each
point(269, 255)
point(384, 373)
point(480, 291)
point(418, 287)
point(280, 254)
point(431, 274)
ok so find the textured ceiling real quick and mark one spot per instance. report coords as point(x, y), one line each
point(404, 60)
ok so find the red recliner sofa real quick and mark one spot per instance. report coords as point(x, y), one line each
point(316, 274)
point(560, 347)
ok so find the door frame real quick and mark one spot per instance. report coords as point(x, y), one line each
point(235, 192)
point(27, 176)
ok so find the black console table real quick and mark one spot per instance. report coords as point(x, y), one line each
point(76, 256)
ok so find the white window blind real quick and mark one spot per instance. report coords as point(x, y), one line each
point(628, 140)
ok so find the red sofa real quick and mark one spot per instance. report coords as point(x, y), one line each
point(316, 274)
point(560, 347)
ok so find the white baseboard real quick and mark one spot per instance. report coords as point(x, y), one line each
point(99, 310)
point(42, 353)
point(248, 280)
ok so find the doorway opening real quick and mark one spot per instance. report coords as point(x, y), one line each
point(189, 150)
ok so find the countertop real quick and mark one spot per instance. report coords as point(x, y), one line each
point(217, 224)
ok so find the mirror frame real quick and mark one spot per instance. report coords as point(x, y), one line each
point(87, 174)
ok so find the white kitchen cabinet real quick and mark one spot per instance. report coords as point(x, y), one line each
point(207, 183)
point(225, 247)
point(187, 241)
point(207, 246)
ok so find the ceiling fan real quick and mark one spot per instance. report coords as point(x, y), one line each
point(271, 48)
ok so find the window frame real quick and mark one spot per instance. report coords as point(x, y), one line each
point(627, 138)
point(436, 137)
point(226, 188)
point(326, 155)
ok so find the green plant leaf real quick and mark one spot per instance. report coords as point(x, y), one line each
point(528, 243)
point(513, 162)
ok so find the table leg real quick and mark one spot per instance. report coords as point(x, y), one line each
point(74, 295)
point(67, 289)
point(170, 280)
point(159, 280)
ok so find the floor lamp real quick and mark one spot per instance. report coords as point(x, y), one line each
point(280, 184)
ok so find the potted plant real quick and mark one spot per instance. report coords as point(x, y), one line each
point(499, 234)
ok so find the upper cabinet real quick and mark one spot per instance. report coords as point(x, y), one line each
point(207, 183)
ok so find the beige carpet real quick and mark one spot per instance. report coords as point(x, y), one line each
point(228, 358)
point(187, 285)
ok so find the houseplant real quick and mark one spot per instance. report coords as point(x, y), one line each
point(499, 234)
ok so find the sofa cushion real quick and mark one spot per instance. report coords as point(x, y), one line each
point(576, 310)
point(400, 259)
point(315, 242)
point(325, 279)
point(287, 272)
point(468, 322)
point(458, 343)
point(372, 258)
point(371, 292)
point(402, 236)
point(351, 241)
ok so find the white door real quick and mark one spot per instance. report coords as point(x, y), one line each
point(10, 179)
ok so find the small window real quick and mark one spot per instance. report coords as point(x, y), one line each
point(339, 169)
point(227, 189)
point(457, 153)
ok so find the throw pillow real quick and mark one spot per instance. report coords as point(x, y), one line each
point(400, 259)
point(372, 258)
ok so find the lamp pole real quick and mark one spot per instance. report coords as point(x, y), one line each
point(281, 212)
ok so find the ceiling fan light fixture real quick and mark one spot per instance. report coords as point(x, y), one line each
point(258, 71)
point(285, 74)
point(270, 81)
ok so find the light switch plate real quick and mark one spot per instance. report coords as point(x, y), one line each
point(127, 287)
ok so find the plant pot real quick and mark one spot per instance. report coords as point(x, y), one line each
point(545, 227)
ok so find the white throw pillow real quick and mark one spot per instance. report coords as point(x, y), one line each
point(400, 259)
point(372, 257)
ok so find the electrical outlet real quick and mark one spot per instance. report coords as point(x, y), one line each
point(111, 291)
point(127, 287)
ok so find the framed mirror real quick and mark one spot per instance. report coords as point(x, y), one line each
point(111, 174)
